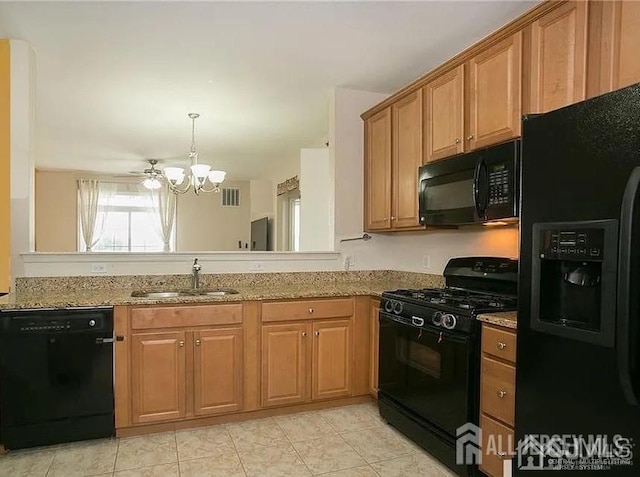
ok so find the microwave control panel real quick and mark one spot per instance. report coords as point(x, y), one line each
point(572, 244)
point(499, 184)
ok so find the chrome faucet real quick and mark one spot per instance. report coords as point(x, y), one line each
point(195, 278)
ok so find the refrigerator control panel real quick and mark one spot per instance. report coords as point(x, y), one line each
point(584, 244)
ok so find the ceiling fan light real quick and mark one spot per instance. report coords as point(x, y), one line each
point(151, 183)
point(216, 177)
point(174, 174)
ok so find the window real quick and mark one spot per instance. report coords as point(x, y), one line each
point(129, 223)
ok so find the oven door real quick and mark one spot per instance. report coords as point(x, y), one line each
point(428, 372)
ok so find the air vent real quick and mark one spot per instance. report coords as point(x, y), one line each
point(230, 197)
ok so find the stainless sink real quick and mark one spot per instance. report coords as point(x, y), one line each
point(178, 293)
point(216, 291)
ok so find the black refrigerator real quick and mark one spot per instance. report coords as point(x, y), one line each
point(579, 290)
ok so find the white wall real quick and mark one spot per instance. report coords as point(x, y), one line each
point(261, 193)
point(426, 251)
point(22, 163)
point(316, 200)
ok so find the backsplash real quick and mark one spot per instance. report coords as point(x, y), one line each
point(49, 284)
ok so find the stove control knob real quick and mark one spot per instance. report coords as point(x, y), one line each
point(449, 321)
point(397, 307)
point(437, 318)
point(92, 323)
point(388, 306)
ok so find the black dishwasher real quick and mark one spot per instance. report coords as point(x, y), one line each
point(56, 376)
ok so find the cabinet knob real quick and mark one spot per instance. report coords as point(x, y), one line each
point(393, 218)
point(502, 455)
point(317, 333)
point(310, 311)
point(197, 342)
point(501, 345)
point(181, 343)
point(502, 393)
point(385, 218)
point(304, 334)
point(469, 137)
point(457, 141)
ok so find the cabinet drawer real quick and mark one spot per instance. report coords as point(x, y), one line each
point(499, 342)
point(503, 443)
point(498, 390)
point(308, 309)
point(181, 316)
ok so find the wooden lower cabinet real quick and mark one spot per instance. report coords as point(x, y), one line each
point(180, 374)
point(158, 376)
point(331, 364)
point(284, 363)
point(311, 360)
point(497, 397)
point(217, 371)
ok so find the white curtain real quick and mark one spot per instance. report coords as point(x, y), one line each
point(163, 202)
point(91, 193)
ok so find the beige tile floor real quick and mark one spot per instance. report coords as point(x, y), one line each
point(350, 441)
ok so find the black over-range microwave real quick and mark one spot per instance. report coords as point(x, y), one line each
point(475, 187)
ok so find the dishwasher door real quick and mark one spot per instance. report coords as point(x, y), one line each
point(56, 376)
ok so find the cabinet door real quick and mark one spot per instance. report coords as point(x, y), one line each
point(559, 58)
point(375, 333)
point(406, 117)
point(620, 61)
point(331, 359)
point(494, 93)
point(377, 187)
point(217, 371)
point(157, 376)
point(444, 115)
point(285, 364)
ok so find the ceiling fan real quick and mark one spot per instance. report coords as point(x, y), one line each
point(153, 176)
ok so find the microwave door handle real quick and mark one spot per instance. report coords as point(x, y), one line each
point(625, 342)
point(481, 209)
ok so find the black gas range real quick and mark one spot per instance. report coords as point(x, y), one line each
point(429, 362)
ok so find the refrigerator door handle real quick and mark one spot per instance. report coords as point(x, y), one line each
point(625, 341)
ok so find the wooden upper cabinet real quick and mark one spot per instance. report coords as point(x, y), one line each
point(284, 363)
point(619, 58)
point(406, 118)
point(378, 171)
point(158, 377)
point(444, 115)
point(217, 371)
point(494, 103)
point(332, 350)
point(558, 61)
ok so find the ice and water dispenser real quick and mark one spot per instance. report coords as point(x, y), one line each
point(574, 280)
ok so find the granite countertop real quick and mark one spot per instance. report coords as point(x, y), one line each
point(121, 296)
point(508, 319)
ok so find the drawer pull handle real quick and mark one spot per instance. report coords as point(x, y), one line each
point(501, 345)
point(310, 311)
point(502, 393)
point(197, 342)
point(181, 343)
point(317, 333)
point(304, 334)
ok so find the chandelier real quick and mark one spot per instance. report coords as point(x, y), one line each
point(200, 177)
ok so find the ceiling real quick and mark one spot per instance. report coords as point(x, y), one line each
point(116, 80)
